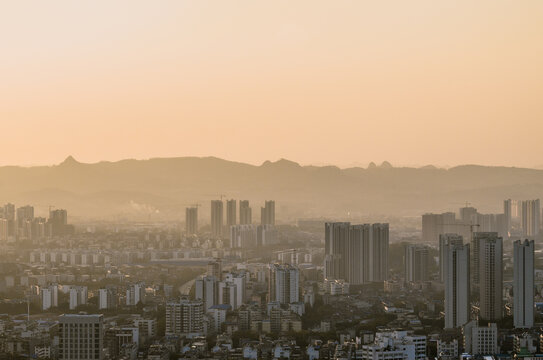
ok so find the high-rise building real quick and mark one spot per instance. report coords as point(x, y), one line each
point(336, 237)
point(206, 290)
point(217, 222)
point(434, 225)
point(284, 284)
point(468, 215)
point(245, 213)
point(191, 220)
point(490, 275)
point(531, 217)
point(228, 294)
point(507, 211)
point(78, 296)
point(456, 267)
point(135, 294)
point(243, 236)
point(185, 318)
point(214, 268)
point(81, 337)
point(25, 215)
point(379, 252)
point(9, 215)
point(4, 230)
point(267, 213)
point(523, 284)
point(107, 298)
point(58, 222)
point(356, 253)
point(446, 239)
point(49, 296)
point(231, 213)
point(266, 235)
point(416, 261)
point(240, 280)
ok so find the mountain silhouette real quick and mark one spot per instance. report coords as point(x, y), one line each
point(162, 187)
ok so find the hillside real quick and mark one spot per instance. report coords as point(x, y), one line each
point(163, 187)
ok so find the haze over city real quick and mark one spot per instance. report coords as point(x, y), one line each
point(306, 180)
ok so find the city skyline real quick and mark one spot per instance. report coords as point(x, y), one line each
point(305, 180)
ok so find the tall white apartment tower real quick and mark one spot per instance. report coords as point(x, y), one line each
point(531, 217)
point(457, 284)
point(447, 239)
point(284, 284)
point(523, 284)
point(206, 290)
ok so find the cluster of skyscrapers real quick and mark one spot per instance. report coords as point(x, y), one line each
point(21, 224)
point(479, 267)
point(241, 234)
point(357, 254)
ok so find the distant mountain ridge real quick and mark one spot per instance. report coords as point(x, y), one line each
point(162, 187)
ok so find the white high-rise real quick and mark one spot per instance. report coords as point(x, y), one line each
point(78, 296)
point(523, 284)
point(447, 239)
point(135, 294)
point(185, 318)
point(457, 284)
point(284, 284)
point(107, 298)
point(206, 289)
point(243, 236)
point(531, 217)
point(49, 296)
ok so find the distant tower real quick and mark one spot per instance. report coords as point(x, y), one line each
point(58, 219)
point(284, 284)
point(446, 239)
point(490, 275)
point(523, 284)
point(416, 263)
point(379, 253)
point(206, 289)
point(531, 217)
point(245, 213)
point(191, 220)
point(217, 219)
point(468, 214)
point(356, 253)
point(231, 213)
point(507, 209)
point(457, 284)
point(267, 213)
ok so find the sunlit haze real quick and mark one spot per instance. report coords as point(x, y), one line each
point(317, 82)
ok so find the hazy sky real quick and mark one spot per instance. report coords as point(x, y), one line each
point(342, 82)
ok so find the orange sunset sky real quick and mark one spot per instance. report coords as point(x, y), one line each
point(317, 82)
